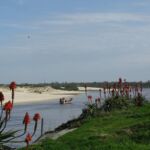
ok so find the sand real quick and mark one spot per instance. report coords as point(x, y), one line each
point(37, 94)
point(89, 89)
point(40, 94)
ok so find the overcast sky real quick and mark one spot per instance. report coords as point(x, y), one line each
point(74, 40)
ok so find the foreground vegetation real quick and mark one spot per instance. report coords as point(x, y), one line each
point(8, 135)
point(119, 129)
point(122, 122)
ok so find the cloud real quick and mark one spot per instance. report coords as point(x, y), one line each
point(91, 44)
point(83, 18)
point(70, 19)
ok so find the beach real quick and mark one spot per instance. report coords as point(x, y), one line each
point(37, 94)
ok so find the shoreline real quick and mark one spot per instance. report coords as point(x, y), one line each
point(62, 129)
point(102, 131)
point(36, 95)
point(28, 95)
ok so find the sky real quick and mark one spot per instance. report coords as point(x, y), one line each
point(74, 40)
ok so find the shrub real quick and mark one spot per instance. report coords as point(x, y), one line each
point(117, 102)
point(138, 100)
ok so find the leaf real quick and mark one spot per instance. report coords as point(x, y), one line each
point(7, 135)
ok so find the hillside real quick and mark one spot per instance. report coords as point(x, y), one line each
point(117, 130)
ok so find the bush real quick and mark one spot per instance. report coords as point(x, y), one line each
point(138, 100)
point(117, 102)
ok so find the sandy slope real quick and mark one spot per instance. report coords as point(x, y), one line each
point(36, 94)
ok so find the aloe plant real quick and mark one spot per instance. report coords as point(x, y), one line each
point(6, 110)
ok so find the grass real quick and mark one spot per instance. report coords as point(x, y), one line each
point(127, 129)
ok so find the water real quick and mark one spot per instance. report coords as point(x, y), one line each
point(146, 93)
point(53, 113)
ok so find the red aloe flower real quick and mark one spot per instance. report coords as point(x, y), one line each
point(36, 117)
point(120, 81)
point(12, 85)
point(90, 98)
point(28, 139)
point(8, 106)
point(26, 119)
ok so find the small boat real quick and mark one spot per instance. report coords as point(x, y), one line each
point(65, 101)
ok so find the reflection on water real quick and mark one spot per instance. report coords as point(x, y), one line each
point(53, 113)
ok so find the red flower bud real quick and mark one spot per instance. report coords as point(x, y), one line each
point(1, 97)
point(26, 119)
point(36, 117)
point(12, 85)
point(120, 81)
point(90, 97)
point(8, 106)
point(28, 138)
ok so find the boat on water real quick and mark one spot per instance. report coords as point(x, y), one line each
point(65, 100)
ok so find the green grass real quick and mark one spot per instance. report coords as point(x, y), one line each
point(118, 130)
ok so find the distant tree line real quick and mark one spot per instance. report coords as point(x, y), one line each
point(65, 86)
point(75, 85)
point(105, 83)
